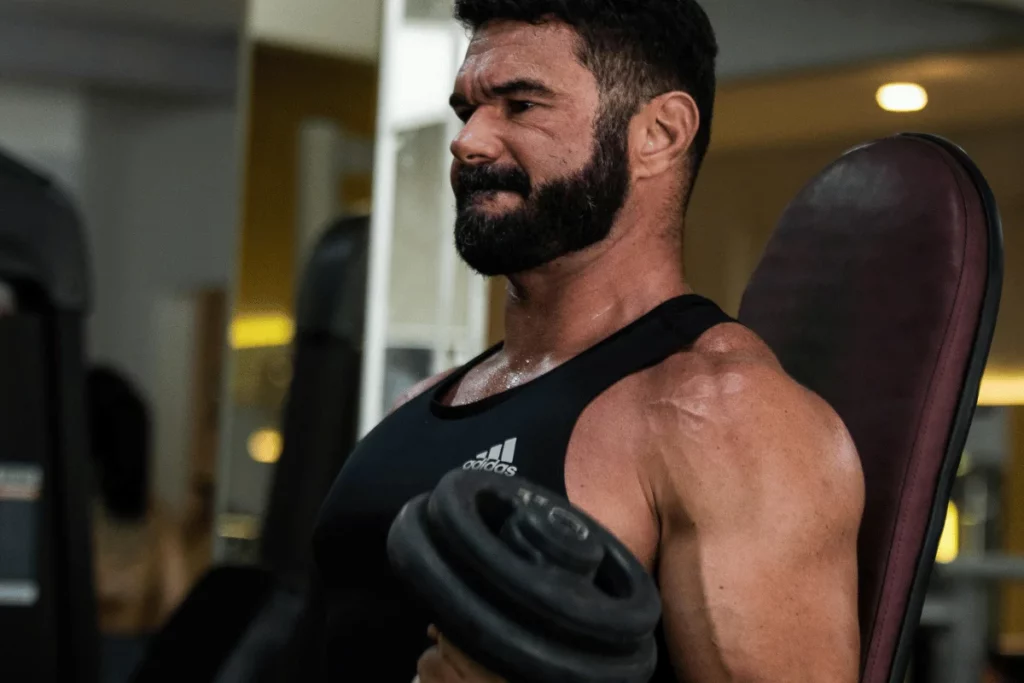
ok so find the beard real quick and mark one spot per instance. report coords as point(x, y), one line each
point(558, 218)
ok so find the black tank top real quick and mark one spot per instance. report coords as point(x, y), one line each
point(374, 630)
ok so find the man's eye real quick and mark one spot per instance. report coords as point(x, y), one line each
point(464, 114)
point(519, 106)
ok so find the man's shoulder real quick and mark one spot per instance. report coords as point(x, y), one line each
point(726, 370)
point(729, 405)
point(732, 376)
point(421, 387)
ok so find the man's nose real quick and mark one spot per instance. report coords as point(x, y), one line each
point(476, 144)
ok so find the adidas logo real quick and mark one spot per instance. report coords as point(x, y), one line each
point(498, 460)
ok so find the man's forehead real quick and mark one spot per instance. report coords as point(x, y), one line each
point(503, 50)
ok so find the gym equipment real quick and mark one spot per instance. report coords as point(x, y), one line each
point(525, 584)
point(320, 417)
point(247, 624)
point(879, 290)
point(48, 627)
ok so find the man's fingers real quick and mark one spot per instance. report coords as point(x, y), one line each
point(445, 662)
point(466, 667)
point(431, 667)
point(453, 656)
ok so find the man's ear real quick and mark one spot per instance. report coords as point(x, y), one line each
point(661, 134)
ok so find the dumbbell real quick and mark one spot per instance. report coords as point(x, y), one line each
point(525, 584)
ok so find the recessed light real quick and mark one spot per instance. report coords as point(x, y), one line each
point(902, 97)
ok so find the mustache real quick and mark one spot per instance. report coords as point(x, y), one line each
point(473, 179)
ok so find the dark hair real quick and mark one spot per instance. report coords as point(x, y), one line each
point(636, 50)
point(119, 434)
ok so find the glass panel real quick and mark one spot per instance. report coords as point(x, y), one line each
point(415, 273)
point(415, 319)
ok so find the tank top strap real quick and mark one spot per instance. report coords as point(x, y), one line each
point(668, 329)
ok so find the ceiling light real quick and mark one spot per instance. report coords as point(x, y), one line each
point(902, 97)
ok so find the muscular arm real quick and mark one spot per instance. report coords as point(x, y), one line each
point(759, 497)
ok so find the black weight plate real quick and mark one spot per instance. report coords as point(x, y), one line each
point(513, 651)
point(619, 608)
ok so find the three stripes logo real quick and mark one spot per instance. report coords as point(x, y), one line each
point(498, 459)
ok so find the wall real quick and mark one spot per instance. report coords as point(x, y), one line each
point(346, 29)
point(162, 191)
point(287, 88)
point(161, 195)
point(43, 125)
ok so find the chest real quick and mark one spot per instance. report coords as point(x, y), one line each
point(591, 451)
point(603, 470)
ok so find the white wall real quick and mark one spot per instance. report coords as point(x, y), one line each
point(162, 185)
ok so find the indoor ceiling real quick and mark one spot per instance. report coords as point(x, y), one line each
point(201, 15)
point(759, 37)
point(964, 90)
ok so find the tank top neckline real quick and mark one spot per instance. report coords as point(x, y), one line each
point(454, 412)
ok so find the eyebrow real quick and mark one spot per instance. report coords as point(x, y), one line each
point(519, 86)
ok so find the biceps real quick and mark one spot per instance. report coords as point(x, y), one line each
point(744, 608)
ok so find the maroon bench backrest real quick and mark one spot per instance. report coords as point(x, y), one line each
point(879, 291)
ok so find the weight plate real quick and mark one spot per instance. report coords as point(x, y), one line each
point(511, 649)
point(574, 577)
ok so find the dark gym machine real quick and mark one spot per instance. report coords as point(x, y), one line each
point(47, 608)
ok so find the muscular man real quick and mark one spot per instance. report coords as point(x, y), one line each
point(585, 125)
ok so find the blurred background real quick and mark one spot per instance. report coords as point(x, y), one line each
point(211, 145)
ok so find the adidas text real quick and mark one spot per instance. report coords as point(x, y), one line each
point(498, 460)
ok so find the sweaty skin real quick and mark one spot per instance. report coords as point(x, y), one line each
point(740, 489)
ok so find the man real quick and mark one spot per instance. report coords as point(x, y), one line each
point(585, 125)
point(139, 563)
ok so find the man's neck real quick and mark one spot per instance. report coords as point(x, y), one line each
point(560, 310)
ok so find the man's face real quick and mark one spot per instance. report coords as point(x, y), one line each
point(538, 173)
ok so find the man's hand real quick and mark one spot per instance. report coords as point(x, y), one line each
point(445, 663)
